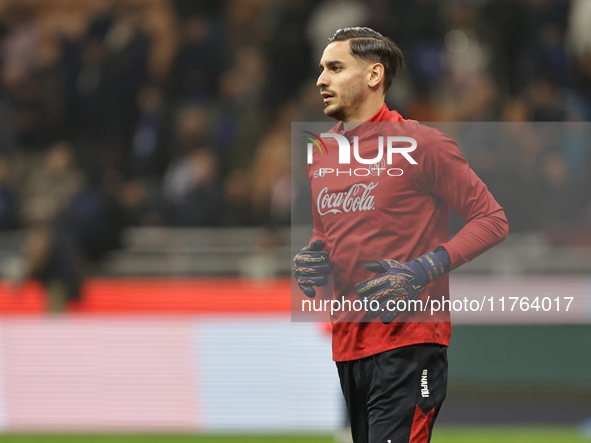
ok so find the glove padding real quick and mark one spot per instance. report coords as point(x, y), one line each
point(312, 266)
point(397, 281)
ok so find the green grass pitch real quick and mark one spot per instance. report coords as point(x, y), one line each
point(496, 434)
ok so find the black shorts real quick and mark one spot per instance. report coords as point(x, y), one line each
point(395, 396)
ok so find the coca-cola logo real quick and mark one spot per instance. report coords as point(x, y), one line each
point(357, 198)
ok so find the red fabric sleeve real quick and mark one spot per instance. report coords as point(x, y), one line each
point(450, 178)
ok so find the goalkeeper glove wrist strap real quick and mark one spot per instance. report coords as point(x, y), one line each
point(430, 266)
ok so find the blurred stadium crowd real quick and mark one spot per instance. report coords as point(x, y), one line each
point(177, 112)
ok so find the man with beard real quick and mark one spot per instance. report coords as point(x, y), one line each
point(393, 372)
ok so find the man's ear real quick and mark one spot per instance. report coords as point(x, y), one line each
point(376, 75)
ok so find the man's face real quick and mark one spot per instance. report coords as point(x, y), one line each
point(342, 81)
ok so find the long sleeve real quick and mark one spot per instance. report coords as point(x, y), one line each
point(450, 178)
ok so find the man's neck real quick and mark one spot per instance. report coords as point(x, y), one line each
point(370, 108)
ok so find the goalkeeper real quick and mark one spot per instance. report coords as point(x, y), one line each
point(385, 240)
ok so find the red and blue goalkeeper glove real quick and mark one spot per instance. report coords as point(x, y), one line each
point(312, 266)
point(399, 281)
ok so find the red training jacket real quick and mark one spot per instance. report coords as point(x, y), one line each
point(399, 215)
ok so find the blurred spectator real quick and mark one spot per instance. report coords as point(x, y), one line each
point(418, 27)
point(84, 75)
point(288, 54)
point(198, 62)
point(191, 187)
point(552, 58)
point(9, 217)
point(575, 137)
point(579, 36)
point(147, 153)
point(527, 143)
point(478, 100)
point(126, 46)
point(510, 30)
point(129, 202)
point(20, 63)
point(579, 46)
point(240, 114)
point(191, 130)
point(189, 8)
point(331, 15)
point(563, 207)
point(51, 253)
point(8, 135)
point(544, 101)
point(271, 178)
point(52, 180)
point(243, 24)
point(189, 124)
point(20, 46)
point(141, 203)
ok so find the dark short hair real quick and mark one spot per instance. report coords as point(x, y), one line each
point(372, 46)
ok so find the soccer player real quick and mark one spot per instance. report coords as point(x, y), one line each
point(385, 238)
